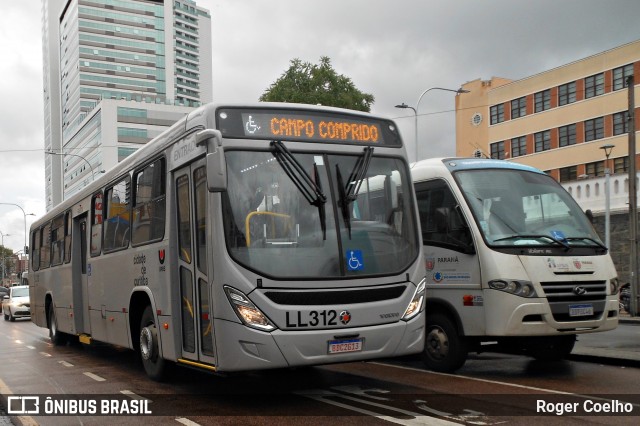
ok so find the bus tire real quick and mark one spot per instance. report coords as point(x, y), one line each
point(445, 350)
point(553, 348)
point(57, 337)
point(154, 364)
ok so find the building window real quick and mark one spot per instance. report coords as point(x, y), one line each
point(620, 76)
point(594, 129)
point(567, 93)
point(497, 114)
point(497, 150)
point(567, 135)
point(620, 123)
point(568, 173)
point(621, 165)
point(542, 100)
point(543, 140)
point(519, 146)
point(595, 169)
point(594, 86)
point(519, 107)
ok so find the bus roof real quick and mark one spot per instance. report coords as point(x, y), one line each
point(427, 168)
point(198, 119)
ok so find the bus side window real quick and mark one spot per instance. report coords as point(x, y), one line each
point(149, 203)
point(35, 250)
point(96, 224)
point(67, 237)
point(57, 241)
point(440, 218)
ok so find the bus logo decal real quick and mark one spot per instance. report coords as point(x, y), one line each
point(430, 263)
point(580, 291)
point(345, 317)
point(161, 256)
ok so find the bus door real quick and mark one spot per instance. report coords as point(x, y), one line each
point(79, 244)
point(195, 292)
point(451, 260)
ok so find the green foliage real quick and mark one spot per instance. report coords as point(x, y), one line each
point(307, 83)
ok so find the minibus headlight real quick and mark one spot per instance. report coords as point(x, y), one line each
point(417, 302)
point(614, 285)
point(515, 287)
point(248, 313)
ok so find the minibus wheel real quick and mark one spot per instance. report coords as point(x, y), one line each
point(444, 349)
point(153, 363)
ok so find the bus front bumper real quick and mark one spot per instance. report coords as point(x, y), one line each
point(248, 349)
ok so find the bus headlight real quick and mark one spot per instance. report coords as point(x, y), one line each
point(417, 302)
point(248, 313)
point(517, 287)
point(614, 285)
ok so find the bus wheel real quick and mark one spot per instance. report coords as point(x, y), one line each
point(57, 337)
point(444, 349)
point(553, 348)
point(153, 363)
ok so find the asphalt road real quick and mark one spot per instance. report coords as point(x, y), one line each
point(490, 389)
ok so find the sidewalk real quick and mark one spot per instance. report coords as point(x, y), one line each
point(616, 348)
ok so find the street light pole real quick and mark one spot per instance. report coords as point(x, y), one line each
point(93, 177)
point(607, 195)
point(415, 110)
point(25, 222)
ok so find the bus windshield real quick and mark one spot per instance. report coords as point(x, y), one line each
point(342, 229)
point(523, 208)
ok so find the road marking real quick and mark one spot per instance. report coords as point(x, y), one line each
point(65, 363)
point(133, 395)
point(324, 396)
point(186, 422)
point(19, 341)
point(94, 377)
point(495, 382)
point(30, 347)
point(44, 354)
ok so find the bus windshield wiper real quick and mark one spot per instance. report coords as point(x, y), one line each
point(349, 192)
point(311, 190)
point(519, 236)
point(595, 242)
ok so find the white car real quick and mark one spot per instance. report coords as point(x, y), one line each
point(17, 303)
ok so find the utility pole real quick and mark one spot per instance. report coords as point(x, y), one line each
point(633, 204)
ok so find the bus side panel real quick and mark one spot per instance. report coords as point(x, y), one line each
point(37, 293)
point(109, 290)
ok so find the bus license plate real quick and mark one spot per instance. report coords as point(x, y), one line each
point(580, 310)
point(344, 346)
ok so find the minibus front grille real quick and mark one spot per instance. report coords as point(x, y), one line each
point(335, 297)
point(574, 291)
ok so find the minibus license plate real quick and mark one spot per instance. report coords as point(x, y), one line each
point(580, 310)
point(343, 346)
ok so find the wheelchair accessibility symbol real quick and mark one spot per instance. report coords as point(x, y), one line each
point(354, 260)
point(251, 126)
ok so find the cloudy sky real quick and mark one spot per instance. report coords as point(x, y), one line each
point(392, 49)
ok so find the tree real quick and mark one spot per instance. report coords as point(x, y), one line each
point(308, 83)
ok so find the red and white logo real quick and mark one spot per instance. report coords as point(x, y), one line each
point(345, 317)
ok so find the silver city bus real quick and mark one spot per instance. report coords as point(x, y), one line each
point(244, 237)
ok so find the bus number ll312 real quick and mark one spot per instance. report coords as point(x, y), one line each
point(299, 319)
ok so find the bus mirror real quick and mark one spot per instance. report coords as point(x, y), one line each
point(216, 171)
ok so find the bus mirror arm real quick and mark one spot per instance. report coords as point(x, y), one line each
point(216, 163)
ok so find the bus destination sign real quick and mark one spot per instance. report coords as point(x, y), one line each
point(312, 126)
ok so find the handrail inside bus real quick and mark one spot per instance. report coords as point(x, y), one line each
point(247, 222)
